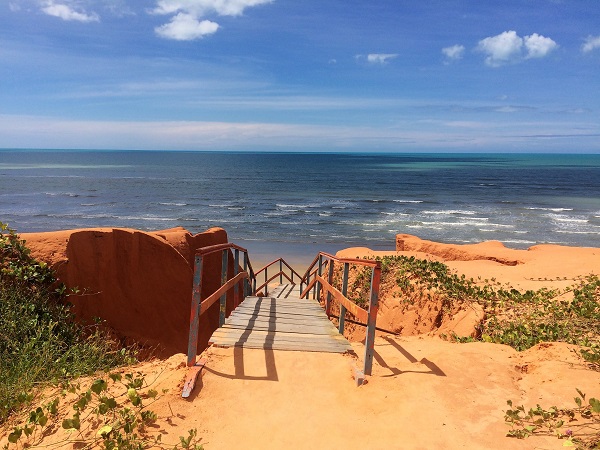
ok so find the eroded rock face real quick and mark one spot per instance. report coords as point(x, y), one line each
point(489, 250)
point(140, 283)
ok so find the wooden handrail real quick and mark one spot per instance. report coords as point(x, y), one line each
point(357, 311)
point(266, 283)
point(212, 298)
point(327, 256)
point(313, 279)
point(203, 251)
point(308, 288)
point(275, 262)
point(198, 306)
point(282, 262)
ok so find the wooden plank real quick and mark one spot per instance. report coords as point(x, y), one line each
point(282, 341)
point(264, 306)
point(280, 324)
point(278, 312)
point(244, 335)
point(285, 328)
point(287, 347)
point(191, 378)
point(273, 321)
point(243, 318)
point(290, 301)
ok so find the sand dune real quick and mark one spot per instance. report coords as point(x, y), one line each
point(424, 393)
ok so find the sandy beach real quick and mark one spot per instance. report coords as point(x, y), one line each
point(425, 392)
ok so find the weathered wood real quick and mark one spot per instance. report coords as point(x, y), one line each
point(372, 321)
point(280, 341)
point(195, 312)
point(284, 290)
point(353, 308)
point(276, 326)
point(208, 301)
point(280, 324)
point(266, 283)
point(191, 377)
point(308, 288)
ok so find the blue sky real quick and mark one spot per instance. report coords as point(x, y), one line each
point(327, 75)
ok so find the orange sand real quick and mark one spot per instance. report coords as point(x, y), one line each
point(424, 393)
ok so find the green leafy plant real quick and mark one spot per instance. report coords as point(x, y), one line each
point(40, 341)
point(519, 319)
point(101, 417)
point(579, 426)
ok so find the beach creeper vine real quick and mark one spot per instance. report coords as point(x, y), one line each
point(114, 422)
point(521, 320)
point(580, 426)
point(515, 318)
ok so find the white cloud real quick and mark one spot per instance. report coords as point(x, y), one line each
point(187, 24)
point(410, 135)
point(591, 43)
point(118, 8)
point(185, 27)
point(454, 53)
point(508, 47)
point(67, 12)
point(501, 49)
point(380, 58)
point(538, 46)
point(203, 7)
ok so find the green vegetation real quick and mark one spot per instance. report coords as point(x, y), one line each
point(518, 319)
point(99, 416)
point(579, 426)
point(39, 340)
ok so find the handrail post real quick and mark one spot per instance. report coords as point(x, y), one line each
point(342, 319)
point(330, 281)
point(246, 280)
point(195, 312)
point(317, 290)
point(266, 282)
point(236, 269)
point(223, 300)
point(280, 271)
point(372, 319)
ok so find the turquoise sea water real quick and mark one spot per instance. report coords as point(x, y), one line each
point(300, 202)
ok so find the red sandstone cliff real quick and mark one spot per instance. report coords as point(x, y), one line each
point(140, 283)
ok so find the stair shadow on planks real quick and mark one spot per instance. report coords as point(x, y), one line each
point(281, 321)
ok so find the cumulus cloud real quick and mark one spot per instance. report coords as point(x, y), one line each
point(454, 53)
point(204, 7)
point(591, 43)
point(502, 48)
point(509, 47)
point(185, 27)
point(380, 58)
point(187, 23)
point(67, 12)
point(537, 46)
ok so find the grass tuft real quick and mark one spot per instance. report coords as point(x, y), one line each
point(40, 342)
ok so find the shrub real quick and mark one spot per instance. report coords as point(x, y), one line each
point(39, 338)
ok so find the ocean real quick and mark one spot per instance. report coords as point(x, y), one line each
point(295, 204)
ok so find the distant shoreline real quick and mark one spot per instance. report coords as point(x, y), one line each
point(308, 152)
